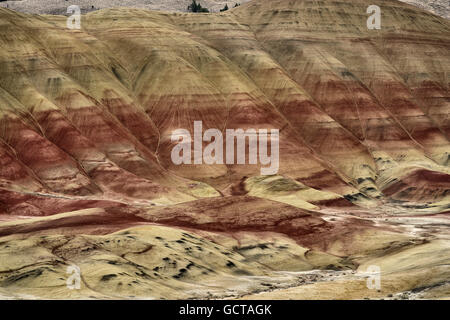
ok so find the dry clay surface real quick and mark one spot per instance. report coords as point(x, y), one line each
point(60, 6)
point(438, 7)
point(86, 177)
point(181, 252)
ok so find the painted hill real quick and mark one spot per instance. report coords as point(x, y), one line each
point(86, 118)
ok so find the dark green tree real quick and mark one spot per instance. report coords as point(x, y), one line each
point(196, 7)
point(224, 8)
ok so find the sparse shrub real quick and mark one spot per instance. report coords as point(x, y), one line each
point(196, 7)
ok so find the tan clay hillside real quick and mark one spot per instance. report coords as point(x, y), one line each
point(86, 176)
point(438, 7)
point(60, 6)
